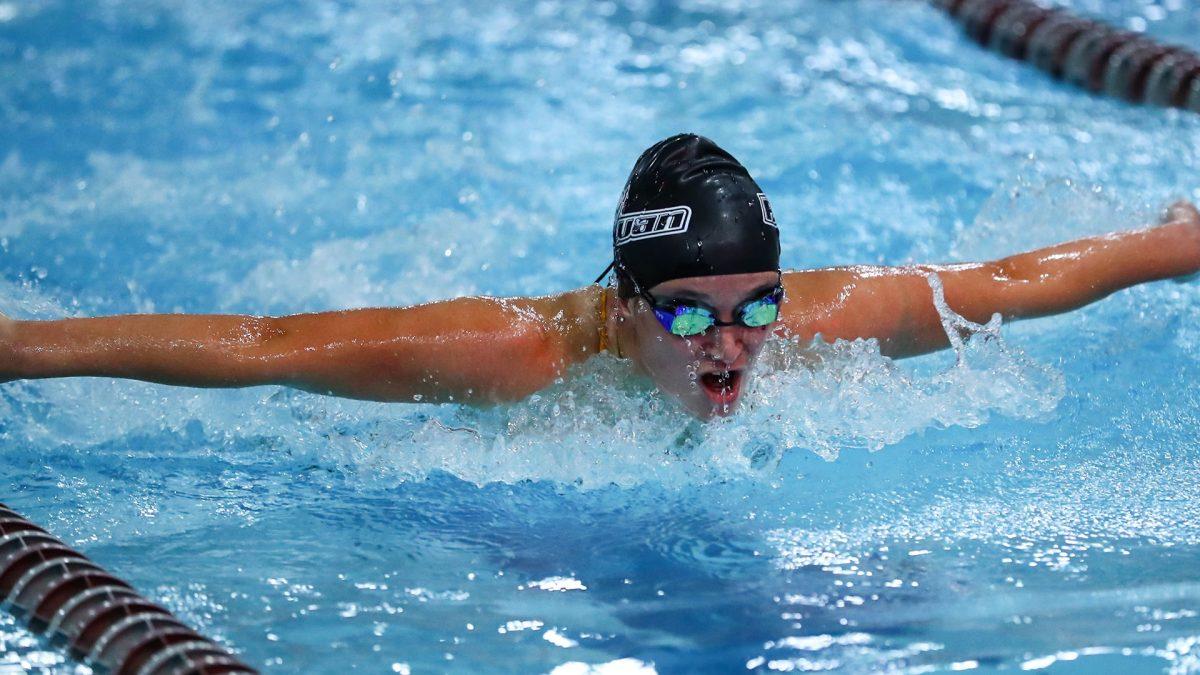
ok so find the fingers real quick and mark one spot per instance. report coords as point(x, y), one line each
point(1181, 211)
point(1185, 212)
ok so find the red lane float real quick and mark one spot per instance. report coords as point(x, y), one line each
point(1086, 53)
point(98, 618)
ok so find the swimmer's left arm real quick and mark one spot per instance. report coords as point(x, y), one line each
point(894, 304)
point(473, 350)
point(470, 350)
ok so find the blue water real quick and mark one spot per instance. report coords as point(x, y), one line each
point(1028, 502)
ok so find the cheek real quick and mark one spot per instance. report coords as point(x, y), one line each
point(677, 353)
point(754, 341)
point(668, 356)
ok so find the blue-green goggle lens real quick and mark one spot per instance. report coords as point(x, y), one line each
point(690, 321)
point(760, 313)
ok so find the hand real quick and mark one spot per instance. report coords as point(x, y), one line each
point(1182, 211)
point(1185, 212)
point(8, 358)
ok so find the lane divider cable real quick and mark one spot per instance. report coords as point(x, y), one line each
point(1087, 53)
point(99, 619)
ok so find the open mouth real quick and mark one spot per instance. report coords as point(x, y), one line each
point(722, 387)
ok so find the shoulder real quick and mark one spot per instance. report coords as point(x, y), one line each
point(568, 310)
point(841, 302)
point(570, 322)
point(813, 300)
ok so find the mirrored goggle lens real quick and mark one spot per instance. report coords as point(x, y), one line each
point(685, 321)
point(760, 312)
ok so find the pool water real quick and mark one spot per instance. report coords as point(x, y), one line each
point(1029, 500)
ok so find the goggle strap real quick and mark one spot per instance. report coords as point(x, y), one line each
point(605, 272)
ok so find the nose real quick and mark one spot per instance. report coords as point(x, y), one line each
point(725, 344)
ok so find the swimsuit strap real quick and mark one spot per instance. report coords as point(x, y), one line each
point(603, 346)
point(603, 341)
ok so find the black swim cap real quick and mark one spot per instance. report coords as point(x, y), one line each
point(690, 209)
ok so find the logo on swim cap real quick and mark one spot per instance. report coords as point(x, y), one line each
point(767, 214)
point(649, 224)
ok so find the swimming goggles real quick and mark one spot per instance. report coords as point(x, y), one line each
point(687, 318)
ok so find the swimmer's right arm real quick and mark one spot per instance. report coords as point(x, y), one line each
point(468, 349)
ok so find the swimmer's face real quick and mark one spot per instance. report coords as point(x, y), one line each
point(706, 373)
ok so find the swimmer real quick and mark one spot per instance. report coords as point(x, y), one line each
point(695, 291)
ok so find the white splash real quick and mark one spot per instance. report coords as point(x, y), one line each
point(557, 584)
point(1035, 209)
point(558, 639)
point(627, 666)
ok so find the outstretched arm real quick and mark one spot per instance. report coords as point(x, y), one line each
point(894, 304)
point(467, 349)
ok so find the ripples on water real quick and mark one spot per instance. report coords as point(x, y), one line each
point(1027, 500)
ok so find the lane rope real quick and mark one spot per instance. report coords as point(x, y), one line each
point(1087, 53)
point(99, 619)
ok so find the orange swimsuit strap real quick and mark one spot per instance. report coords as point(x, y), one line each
point(603, 342)
point(603, 321)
